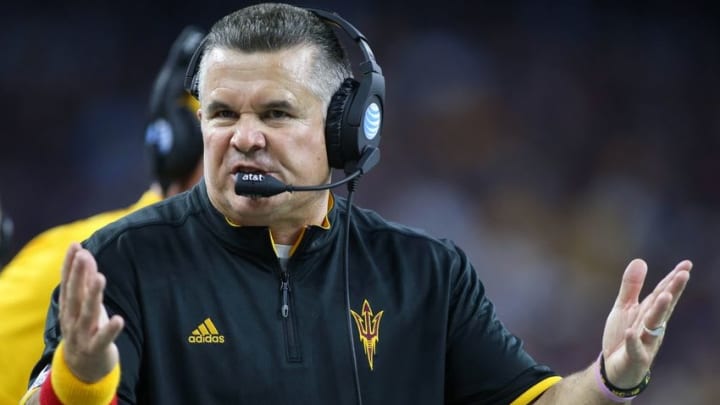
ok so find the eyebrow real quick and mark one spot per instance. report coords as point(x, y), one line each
point(217, 106)
point(270, 105)
point(277, 105)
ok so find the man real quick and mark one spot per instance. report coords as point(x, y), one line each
point(235, 294)
point(174, 143)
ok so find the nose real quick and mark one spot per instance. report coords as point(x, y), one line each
point(248, 136)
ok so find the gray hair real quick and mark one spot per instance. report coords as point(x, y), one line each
point(271, 27)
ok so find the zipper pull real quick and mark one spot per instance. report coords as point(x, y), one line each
point(285, 288)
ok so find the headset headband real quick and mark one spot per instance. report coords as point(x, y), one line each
point(366, 66)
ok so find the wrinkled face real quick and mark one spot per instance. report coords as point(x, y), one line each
point(258, 115)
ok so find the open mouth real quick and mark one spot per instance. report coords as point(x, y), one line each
point(249, 173)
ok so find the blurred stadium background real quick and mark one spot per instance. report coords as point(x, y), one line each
point(553, 141)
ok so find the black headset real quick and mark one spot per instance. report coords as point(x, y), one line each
point(354, 118)
point(172, 137)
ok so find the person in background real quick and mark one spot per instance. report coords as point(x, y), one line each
point(174, 146)
point(6, 232)
point(239, 292)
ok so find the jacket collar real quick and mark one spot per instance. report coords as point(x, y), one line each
point(257, 239)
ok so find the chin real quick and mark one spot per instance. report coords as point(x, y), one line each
point(252, 205)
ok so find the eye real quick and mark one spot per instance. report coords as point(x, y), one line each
point(224, 114)
point(276, 114)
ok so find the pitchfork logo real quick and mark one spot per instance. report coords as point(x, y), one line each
point(368, 325)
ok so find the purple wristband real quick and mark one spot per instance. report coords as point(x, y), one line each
point(603, 388)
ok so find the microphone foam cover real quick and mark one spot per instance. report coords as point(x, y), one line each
point(255, 184)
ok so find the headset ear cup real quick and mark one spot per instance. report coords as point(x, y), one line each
point(187, 143)
point(173, 137)
point(335, 122)
point(6, 231)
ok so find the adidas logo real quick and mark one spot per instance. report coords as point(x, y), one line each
point(206, 332)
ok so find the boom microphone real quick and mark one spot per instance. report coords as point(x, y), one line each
point(262, 185)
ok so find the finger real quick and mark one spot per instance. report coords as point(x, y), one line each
point(65, 271)
point(633, 345)
point(107, 334)
point(674, 284)
point(656, 314)
point(679, 282)
point(683, 266)
point(674, 292)
point(89, 319)
point(75, 287)
point(640, 357)
point(69, 255)
point(632, 283)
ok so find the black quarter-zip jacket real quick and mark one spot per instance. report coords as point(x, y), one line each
point(212, 318)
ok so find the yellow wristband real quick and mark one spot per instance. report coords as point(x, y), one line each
point(70, 390)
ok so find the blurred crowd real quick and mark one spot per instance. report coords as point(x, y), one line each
point(552, 142)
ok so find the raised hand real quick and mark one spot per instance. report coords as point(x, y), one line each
point(88, 334)
point(634, 330)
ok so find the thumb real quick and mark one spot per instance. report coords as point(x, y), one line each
point(632, 283)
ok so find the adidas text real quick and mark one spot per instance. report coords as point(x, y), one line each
point(207, 339)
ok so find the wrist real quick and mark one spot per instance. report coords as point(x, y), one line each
point(72, 390)
point(612, 392)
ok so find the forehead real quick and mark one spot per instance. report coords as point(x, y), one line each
point(288, 69)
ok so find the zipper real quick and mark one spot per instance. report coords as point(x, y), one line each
point(285, 290)
point(292, 347)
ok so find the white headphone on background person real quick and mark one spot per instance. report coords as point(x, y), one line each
point(6, 230)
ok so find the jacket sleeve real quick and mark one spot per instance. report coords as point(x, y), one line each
point(486, 364)
point(113, 254)
point(51, 338)
point(119, 298)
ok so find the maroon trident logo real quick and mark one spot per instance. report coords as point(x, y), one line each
point(368, 328)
